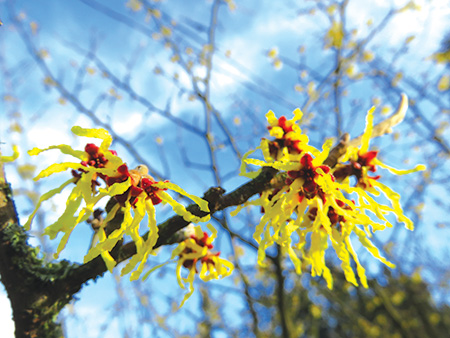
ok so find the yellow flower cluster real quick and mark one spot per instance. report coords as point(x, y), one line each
point(196, 250)
point(101, 173)
point(311, 208)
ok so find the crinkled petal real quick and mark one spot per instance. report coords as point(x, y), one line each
point(57, 168)
point(64, 148)
point(181, 210)
point(106, 244)
point(317, 252)
point(276, 165)
point(144, 248)
point(152, 226)
point(359, 268)
point(250, 174)
point(45, 197)
point(67, 219)
point(271, 118)
point(96, 133)
point(370, 247)
point(295, 260)
point(298, 114)
point(147, 274)
point(190, 280)
point(397, 208)
point(213, 232)
point(178, 250)
point(277, 132)
point(67, 222)
point(367, 132)
point(419, 167)
point(116, 188)
point(343, 254)
point(219, 269)
point(200, 201)
point(109, 261)
point(320, 158)
point(328, 277)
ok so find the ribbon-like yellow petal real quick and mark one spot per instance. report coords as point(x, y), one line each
point(96, 133)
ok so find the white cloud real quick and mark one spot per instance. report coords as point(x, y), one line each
point(127, 123)
point(225, 79)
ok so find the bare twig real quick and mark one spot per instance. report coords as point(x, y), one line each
point(385, 127)
point(380, 129)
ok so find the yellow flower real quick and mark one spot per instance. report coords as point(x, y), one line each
point(96, 162)
point(361, 162)
point(101, 173)
point(310, 210)
point(195, 251)
point(288, 141)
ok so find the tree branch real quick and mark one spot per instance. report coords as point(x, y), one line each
point(30, 283)
point(217, 200)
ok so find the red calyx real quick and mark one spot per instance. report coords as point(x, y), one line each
point(308, 173)
point(356, 168)
point(124, 174)
point(91, 149)
point(282, 123)
point(148, 186)
point(96, 159)
point(202, 241)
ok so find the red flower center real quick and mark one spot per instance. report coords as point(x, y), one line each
point(148, 186)
point(355, 168)
point(279, 143)
point(308, 173)
point(189, 263)
point(96, 159)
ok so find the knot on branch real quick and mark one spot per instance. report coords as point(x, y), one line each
point(213, 196)
point(337, 151)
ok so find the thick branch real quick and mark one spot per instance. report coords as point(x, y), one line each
point(36, 299)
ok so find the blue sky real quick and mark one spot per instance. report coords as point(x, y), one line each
point(68, 30)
